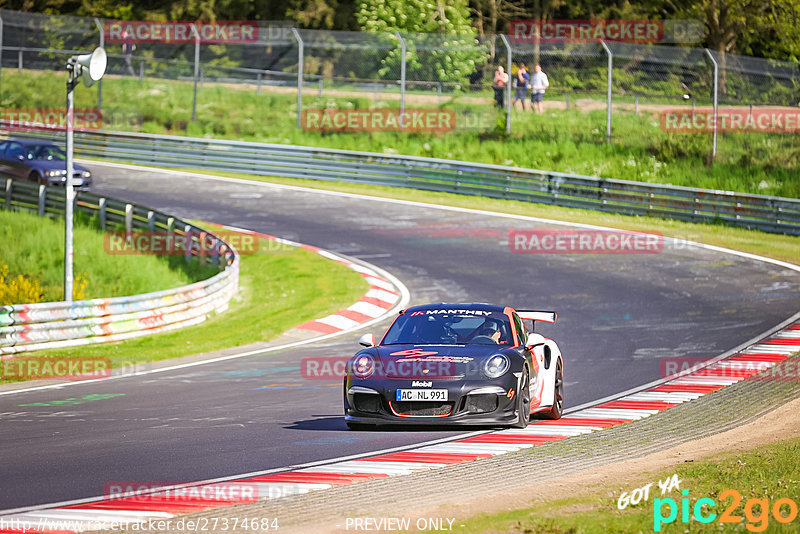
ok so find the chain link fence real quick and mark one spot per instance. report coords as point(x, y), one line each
point(308, 69)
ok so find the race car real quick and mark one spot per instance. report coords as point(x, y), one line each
point(448, 364)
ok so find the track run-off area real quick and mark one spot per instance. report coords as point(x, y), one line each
point(621, 316)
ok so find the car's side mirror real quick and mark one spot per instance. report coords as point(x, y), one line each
point(367, 340)
point(534, 340)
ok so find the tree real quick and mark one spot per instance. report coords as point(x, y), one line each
point(450, 53)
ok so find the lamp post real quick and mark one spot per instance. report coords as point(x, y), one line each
point(87, 68)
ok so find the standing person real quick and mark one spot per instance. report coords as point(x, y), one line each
point(500, 82)
point(522, 81)
point(128, 46)
point(540, 83)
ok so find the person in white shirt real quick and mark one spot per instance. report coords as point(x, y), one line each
point(539, 84)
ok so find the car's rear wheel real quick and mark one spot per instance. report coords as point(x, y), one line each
point(558, 395)
point(36, 177)
point(524, 401)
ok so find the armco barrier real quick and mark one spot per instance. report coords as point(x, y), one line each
point(771, 214)
point(25, 327)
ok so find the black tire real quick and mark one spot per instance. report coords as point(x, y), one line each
point(524, 401)
point(35, 178)
point(558, 396)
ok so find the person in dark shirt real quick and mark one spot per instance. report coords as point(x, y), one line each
point(128, 46)
point(522, 80)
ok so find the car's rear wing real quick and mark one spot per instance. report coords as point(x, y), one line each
point(534, 315)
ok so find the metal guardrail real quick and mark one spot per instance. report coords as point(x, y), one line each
point(770, 214)
point(47, 325)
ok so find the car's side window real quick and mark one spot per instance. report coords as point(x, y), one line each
point(523, 335)
point(14, 150)
point(3, 147)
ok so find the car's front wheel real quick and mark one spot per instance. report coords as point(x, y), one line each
point(524, 401)
point(36, 178)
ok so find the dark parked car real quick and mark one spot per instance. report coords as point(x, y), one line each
point(41, 162)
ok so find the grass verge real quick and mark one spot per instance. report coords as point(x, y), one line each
point(761, 477)
point(39, 257)
point(777, 246)
point(567, 140)
point(278, 290)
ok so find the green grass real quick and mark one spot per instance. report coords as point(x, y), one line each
point(278, 290)
point(33, 246)
point(777, 246)
point(770, 472)
point(560, 140)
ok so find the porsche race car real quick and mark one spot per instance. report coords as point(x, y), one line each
point(448, 364)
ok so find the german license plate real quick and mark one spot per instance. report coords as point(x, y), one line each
point(421, 395)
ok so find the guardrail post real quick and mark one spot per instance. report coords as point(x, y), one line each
point(102, 45)
point(170, 224)
point(141, 70)
point(299, 75)
point(636, 105)
point(319, 94)
point(402, 72)
point(610, 82)
point(187, 240)
point(716, 93)
point(151, 221)
point(567, 99)
point(102, 210)
point(509, 84)
point(9, 186)
point(19, 61)
point(42, 199)
point(128, 218)
point(258, 84)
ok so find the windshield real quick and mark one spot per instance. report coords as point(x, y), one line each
point(435, 328)
point(46, 152)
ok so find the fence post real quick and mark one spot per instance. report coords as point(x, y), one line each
point(300, 54)
point(100, 81)
point(151, 221)
point(42, 199)
point(19, 61)
point(187, 240)
point(610, 81)
point(716, 102)
point(258, 84)
point(128, 218)
point(402, 72)
point(1, 50)
point(636, 105)
point(9, 186)
point(196, 69)
point(141, 70)
point(102, 207)
point(568, 100)
point(509, 84)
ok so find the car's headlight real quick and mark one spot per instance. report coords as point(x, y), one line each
point(86, 174)
point(496, 366)
point(56, 172)
point(363, 365)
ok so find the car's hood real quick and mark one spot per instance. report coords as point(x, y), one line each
point(432, 361)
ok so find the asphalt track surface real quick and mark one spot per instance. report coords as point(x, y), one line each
point(620, 315)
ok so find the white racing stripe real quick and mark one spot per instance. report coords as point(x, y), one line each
point(475, 448)
point(614, 413)
point(706, 380)
point(555, 430)
point(380, 284)
point(382, 295)
point(338, 321)
point(787, 350)
point(367, 309)
point(662, 396)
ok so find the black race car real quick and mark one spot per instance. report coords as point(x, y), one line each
point(466, 364)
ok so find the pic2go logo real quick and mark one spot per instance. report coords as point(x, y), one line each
point(756, 511)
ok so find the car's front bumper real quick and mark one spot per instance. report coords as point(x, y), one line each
point(477, 403)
